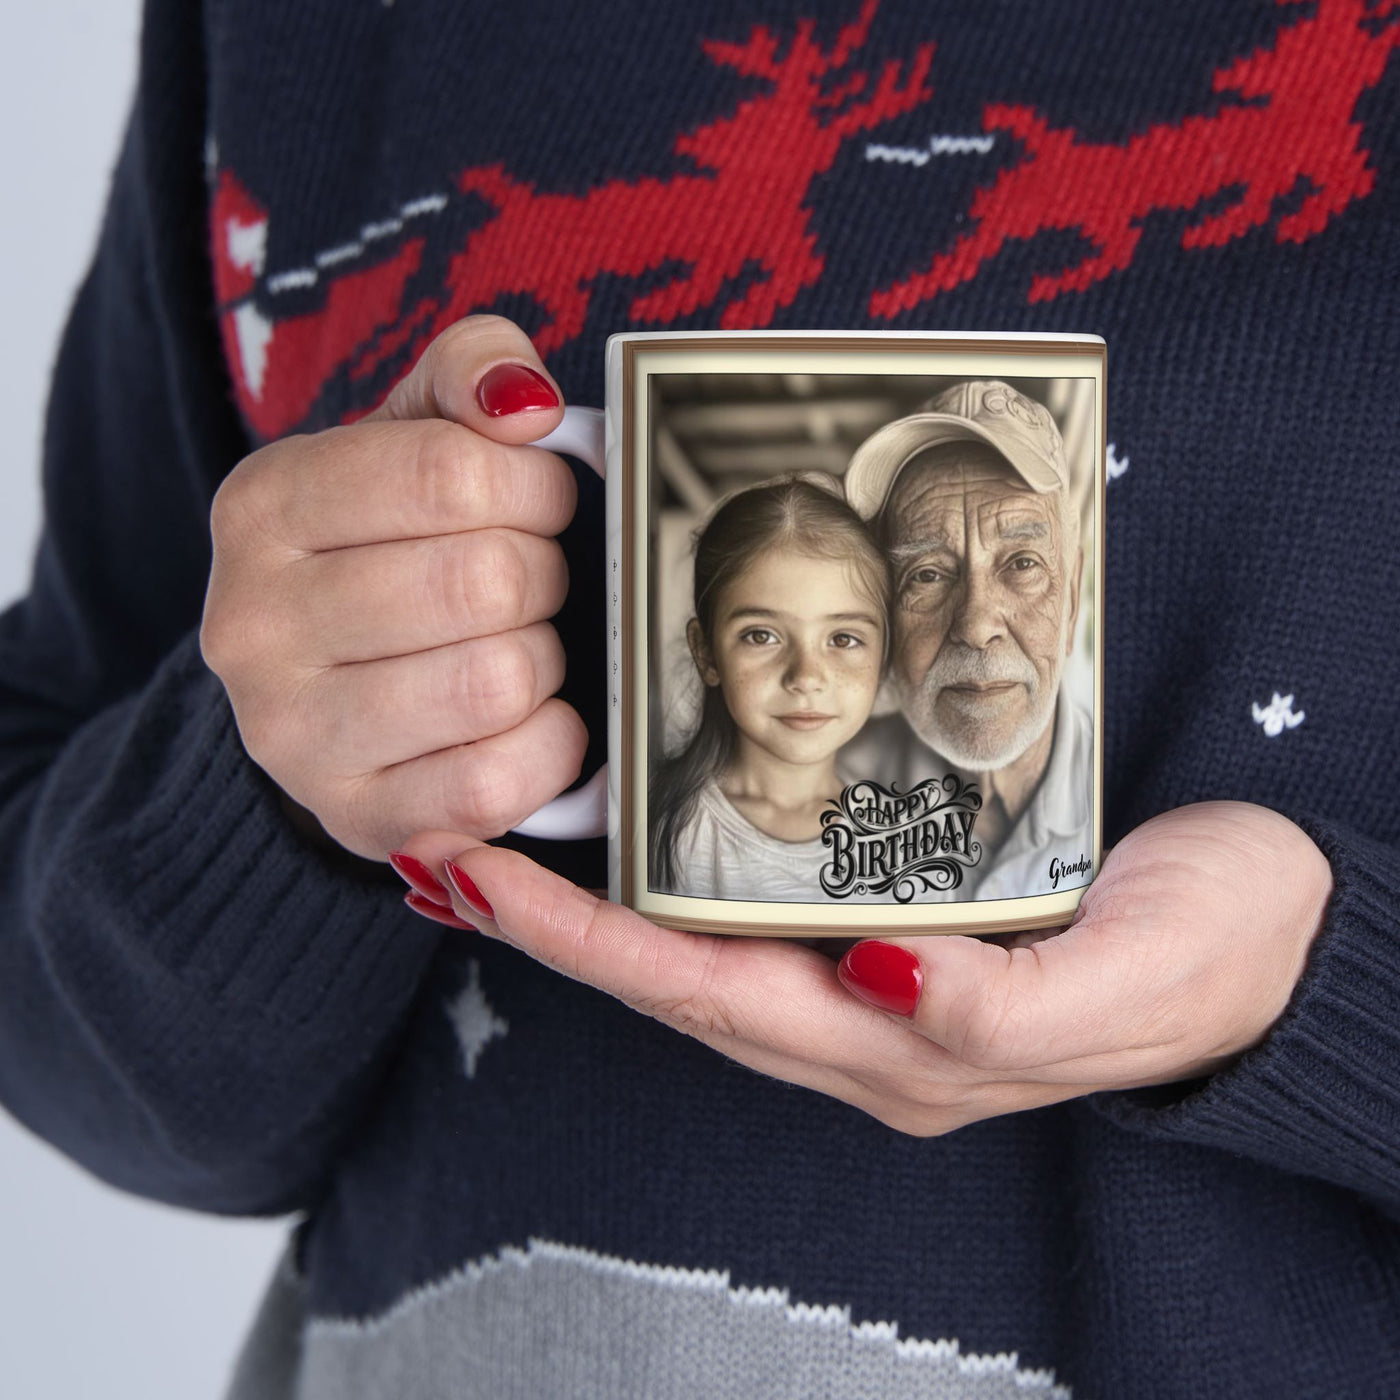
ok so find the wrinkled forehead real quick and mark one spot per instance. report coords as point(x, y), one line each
point(943, 491)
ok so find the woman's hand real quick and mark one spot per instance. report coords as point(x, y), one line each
point(378, 602)
point(1184, 951)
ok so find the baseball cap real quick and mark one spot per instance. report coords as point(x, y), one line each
point(975, 410)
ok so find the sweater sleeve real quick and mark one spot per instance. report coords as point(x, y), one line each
point(1320, 1097)
point(195, 1003)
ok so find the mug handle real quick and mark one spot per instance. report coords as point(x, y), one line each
point(576, 815)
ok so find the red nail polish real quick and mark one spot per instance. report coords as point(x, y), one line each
point(883, 975)
point(507, 389)
point(420, 877)
point(466, 887)
point(436, 912)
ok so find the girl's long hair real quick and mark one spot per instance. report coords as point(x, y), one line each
point(792, 512)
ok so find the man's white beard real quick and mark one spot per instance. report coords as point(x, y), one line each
point(974, 747)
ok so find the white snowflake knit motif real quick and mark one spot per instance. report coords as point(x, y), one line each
point(474, 1020)
point(1278, 715)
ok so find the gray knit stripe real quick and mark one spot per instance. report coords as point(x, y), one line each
point(267, 1366)
point(557, 1321)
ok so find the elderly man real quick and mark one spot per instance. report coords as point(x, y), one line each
point(970, 497)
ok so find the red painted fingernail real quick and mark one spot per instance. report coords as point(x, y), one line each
point(436, 912)
point(466, 887)
point(507, 389)
point(883, 975)
point(420, 877)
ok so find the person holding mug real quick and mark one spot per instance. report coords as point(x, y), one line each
point(310, 600)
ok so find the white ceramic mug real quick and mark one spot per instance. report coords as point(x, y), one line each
point(884, 711)
point(582, 812)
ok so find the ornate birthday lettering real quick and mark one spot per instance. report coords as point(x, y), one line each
point(884, 841)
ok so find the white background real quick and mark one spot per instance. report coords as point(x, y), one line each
point(101, 1295)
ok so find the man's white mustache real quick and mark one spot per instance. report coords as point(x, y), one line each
point(958, 664)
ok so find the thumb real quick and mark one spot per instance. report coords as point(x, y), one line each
point(993, 1007)
point(483, 373)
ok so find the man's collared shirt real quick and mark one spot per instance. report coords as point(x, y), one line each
point(1057, 824)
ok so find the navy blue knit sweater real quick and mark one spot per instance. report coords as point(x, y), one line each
point(200, 1006)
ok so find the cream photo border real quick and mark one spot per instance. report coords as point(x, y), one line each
point(632, 360)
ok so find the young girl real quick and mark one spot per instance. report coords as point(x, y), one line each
point(788, 637)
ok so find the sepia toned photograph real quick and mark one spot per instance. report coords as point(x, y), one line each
point(870, 650)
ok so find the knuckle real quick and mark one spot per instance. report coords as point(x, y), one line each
point(239, 635)
point(214, 638)
point(505, 693)
point(568, 739)
point(696, 1010)
point(544, 490)
point(460, 476)
point(225, 510)
point(437, 362)
point(554, 572)
point(547, 658)
point(354, 815)
point(441, 474)
point(983, 1042)
point(234, 503)
point(495, 587)
point(245, 504)
point(453, 358)
point(442, 590)
point(486, 792)
point(470, 330)
point(441, 347)
point(576, 957)
point(487, 322)
point(493, 785)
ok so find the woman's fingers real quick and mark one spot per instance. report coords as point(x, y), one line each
point(378, 481)
point(762, 991)
point(375, 714)
point(1013, 1011)
point(479, 790)
point(400, 596)
point(772, 1005)
point(1156, 979)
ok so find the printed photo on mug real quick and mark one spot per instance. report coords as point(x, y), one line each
point(858, 587)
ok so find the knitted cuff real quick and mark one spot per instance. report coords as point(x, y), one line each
point(183, 855)
point(1321, 1095)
